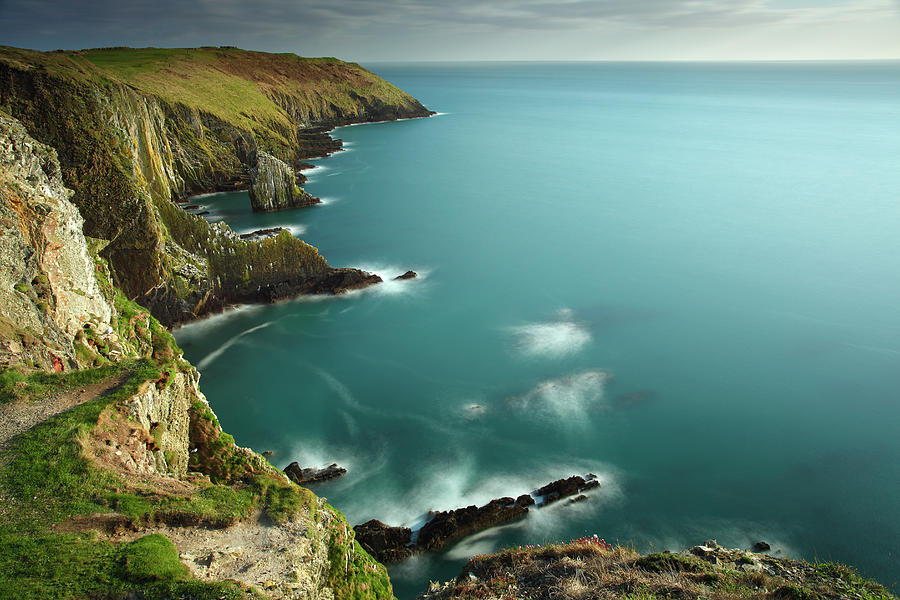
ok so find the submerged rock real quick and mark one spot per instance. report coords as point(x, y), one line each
point(273, 185)
point(302, 476)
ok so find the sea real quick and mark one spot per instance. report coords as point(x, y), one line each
point(683, 278)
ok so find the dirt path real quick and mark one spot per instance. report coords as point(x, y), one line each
point(16, 417)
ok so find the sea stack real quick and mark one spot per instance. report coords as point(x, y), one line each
point(273, 186)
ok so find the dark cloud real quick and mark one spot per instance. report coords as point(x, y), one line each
point(300, 25)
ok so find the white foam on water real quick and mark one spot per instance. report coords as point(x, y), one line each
point(568, 398)
point(326, 200)
point(212, 356)
point(315, 170)
point(342, 391)
point(297, 229)
point(486, 542)
point(554, 339)
point(317, 456)
point(214, 321)
point(390, 286)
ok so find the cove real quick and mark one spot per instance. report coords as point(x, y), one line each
point(680, 277)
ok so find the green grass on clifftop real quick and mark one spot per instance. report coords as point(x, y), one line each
point(237, 86)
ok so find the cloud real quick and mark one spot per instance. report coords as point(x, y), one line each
point(301, 25)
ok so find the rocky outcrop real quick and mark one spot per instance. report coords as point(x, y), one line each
point(302, 476)
point(563, 488)
point(130, 148)
point(50, 290)
point(449, 526)
point(407, 275)
point(273, 185)
point(390, 544)
point(387, 544)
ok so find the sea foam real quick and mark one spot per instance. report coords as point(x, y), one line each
point(212, 356)
point(554, 339)
point(567, 398)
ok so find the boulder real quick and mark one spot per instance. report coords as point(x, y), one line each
point(407, 275)
point(761, 547)
point(387, 544)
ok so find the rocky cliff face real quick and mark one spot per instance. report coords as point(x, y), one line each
point(50, 291)
point(273, 185)
point(146, 454)
point(132, 141)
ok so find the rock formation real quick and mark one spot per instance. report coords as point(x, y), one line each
point(390, 544)
point(302, 476)
point(273, 185)
point(130, 148)
point(46, 272)
point(387, 544)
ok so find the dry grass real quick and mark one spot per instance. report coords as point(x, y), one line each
point(586, 571)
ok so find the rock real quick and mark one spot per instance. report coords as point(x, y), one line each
point(761, 547)
point(449, 526)
point(303, 476)
point(273, 185)
point(387, 544)
point(525, 500)
point(267, 453)
point(407, 275)
point(338, 281)
point(261, 233)
point(578, 498)
point(563, 488)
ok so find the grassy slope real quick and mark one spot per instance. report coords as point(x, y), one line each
point(235, 85)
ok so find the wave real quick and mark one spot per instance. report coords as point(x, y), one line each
point(553, 339)
point(212, 356)
point(390, 285)
point(566, 398)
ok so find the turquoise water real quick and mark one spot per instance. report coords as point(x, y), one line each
point(680, 277)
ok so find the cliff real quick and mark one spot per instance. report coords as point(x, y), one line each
point(138, 129)
point(116, 480)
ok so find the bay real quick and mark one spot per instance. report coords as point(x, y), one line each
point(680, 277)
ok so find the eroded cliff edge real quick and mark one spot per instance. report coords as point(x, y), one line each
point(116, 479)
point(137, 129)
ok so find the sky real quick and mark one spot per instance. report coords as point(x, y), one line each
point(401, 30)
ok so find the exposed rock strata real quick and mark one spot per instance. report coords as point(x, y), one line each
point(128, 151)
point(50, 291)
point(273, 186)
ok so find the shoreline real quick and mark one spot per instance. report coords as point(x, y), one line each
point(318, 296)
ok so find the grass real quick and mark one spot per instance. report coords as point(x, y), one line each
point(74, 567)
point(16, 385)
point(584, 571)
